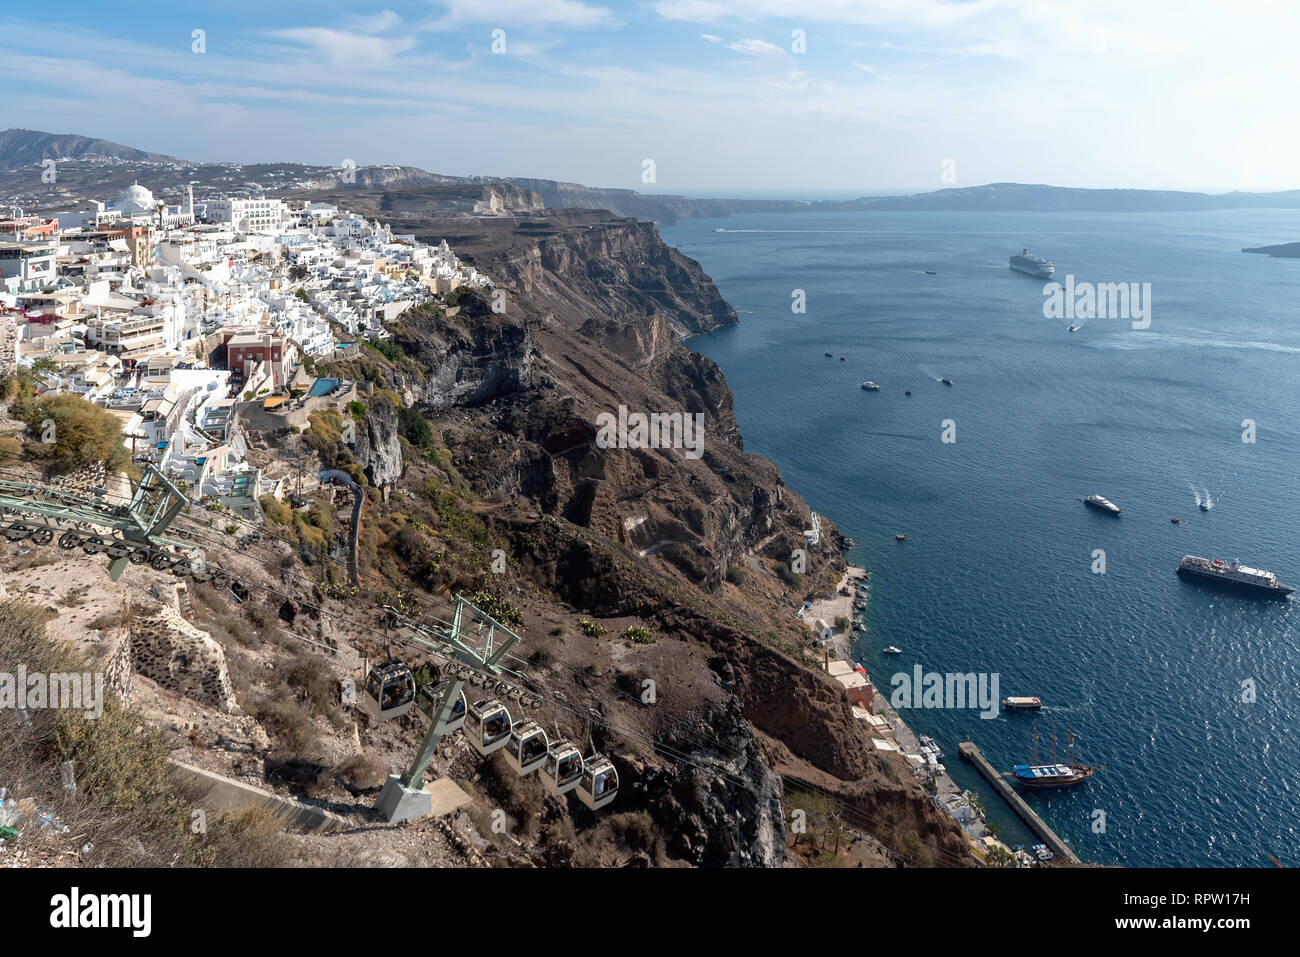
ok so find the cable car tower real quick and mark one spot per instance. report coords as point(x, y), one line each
point(129, 533)
point(476, 643)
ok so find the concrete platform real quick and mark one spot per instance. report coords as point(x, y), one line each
point(437, 799)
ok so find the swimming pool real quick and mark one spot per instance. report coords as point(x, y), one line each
point(323, 386)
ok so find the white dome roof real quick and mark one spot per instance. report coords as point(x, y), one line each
point(135, 199)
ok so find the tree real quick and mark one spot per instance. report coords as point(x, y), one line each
point(71, 433)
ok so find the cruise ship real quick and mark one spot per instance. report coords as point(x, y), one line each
point(1032, 265)
point(1105, 504)
point(1233, 575)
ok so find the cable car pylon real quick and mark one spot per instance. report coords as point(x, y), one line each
point(406, 797)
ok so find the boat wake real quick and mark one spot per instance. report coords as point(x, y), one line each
point(1204, 501)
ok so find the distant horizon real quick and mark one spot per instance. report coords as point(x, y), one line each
point(831, 194)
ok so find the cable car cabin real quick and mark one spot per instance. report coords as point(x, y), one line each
point(390, 691)
point(429, 696)
point(599, 785)
point(487, 725)
point(528, 748)
point(563, 768)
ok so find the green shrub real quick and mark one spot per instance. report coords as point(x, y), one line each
point(415, 428)
point(639, 635)
point(499, 607)
point(83, 434)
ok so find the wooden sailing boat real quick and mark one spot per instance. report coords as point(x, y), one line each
point(1054, 775)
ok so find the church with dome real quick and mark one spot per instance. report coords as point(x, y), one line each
point(137, 202)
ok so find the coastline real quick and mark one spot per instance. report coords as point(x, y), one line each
point(886, 727)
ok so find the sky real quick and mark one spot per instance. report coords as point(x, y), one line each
point(702, 97)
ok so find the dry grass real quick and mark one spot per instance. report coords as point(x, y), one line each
point(129, 808)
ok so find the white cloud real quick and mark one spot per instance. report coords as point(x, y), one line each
point(858, 12)
point(755, 47)
point(347, 49)
point(508, 13)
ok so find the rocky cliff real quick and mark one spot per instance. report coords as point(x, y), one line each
point(378, 448)
point(596, 307)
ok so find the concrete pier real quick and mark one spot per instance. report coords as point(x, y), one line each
point(972, 755)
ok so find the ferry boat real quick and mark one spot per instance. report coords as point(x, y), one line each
point(1104, 504)
point(1233, 575)
point(1022, 704)
point(870, 386)
point(1032, 265)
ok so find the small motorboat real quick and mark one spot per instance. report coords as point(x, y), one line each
point(1175, 520)
point(907, 392)
point(891, 650)
point(900, 537)
point(870, 386)
point(830, 355)
point(843, 359)
point(946, 381)
point(1071, 329)
point(1205, 506)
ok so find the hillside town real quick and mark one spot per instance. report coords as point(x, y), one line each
point(174, 317)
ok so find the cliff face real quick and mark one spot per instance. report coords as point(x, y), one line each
point(378, 448)
point(596, 307)
point(590, 271)
point(471, 359)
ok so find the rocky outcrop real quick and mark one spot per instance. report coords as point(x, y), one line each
point(378, 447)
point(473, 359)
point(182, 659)
point(718, 807)
point(594, 269)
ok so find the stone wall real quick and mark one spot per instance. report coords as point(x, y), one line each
point(118, 666)
point(182, 659)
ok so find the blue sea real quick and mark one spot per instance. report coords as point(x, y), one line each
point(997, 573)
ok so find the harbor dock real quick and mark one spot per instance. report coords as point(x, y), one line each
point(971, 754)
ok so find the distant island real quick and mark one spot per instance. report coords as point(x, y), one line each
point(1281, 251)
point(88, 166)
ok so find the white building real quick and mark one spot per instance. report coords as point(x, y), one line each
point(247, 215)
